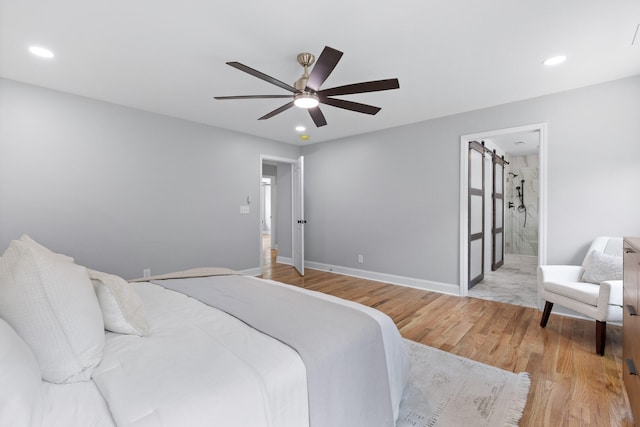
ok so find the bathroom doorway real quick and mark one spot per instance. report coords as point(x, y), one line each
point(522, 210)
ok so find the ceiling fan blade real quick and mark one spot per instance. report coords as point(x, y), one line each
point(372, 86)
point(279, 110)
point(263, 76)
point(252, 97)
point(350, 105)
point(324, 66)
point(317, 116)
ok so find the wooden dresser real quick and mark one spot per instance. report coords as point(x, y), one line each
point(631, 324)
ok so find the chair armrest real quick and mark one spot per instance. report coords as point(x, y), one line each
point(556, 273)
point(559, 273)
point(611, 292)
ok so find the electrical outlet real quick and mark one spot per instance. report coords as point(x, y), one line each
point(360, 258)
point(146, 272)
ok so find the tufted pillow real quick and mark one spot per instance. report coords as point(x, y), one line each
point(21, 396)
point(600, 267)
point(51, 304)
point(35, 245)
point(122, 308)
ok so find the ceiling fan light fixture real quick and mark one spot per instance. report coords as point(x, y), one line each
point(306, 100)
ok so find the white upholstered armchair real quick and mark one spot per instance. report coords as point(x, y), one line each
point(593, 289)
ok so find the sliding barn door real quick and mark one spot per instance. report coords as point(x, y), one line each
point(497, 228)
point(476, 213)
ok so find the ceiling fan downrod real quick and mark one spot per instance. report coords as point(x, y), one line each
point(306, 60)
point(305, 99)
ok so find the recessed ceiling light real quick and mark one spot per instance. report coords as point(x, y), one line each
point(301, 128)
point(41, 51)
point(304, 137)
point(555, 60)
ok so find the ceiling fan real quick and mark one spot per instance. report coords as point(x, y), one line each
point(306, 90)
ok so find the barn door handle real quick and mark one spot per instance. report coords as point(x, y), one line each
point(631, 310)
point(632, 367)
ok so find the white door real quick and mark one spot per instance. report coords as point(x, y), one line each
point(298, 215)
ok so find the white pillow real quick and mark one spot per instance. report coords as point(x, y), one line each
point(33, 244)
point(52, 306)
point(122, 308)
point(21, 393)
point(600, 267)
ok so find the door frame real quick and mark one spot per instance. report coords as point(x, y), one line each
point(291, 163)
point(463, 258)
point(263, 202)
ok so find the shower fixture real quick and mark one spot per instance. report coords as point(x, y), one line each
point(522, 207)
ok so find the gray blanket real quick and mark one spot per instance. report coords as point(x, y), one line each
point(341, 347)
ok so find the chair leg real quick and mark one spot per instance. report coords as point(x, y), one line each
point(545, 314)
point(601, 334)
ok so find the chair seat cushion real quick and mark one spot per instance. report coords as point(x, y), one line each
point(580, 291)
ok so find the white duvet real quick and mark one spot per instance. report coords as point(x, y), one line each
point(199, 366)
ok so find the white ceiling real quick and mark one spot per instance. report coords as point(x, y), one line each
point(517, 143)
point(169, 57)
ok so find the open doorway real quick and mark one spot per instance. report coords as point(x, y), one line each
point(523, 214)
point(268, 216)
point(282, 215)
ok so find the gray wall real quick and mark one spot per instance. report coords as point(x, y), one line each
point(122, 189)
point(393, 196)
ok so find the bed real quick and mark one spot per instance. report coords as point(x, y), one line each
point(199, 348)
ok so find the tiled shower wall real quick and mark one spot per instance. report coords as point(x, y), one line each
point(521, 238)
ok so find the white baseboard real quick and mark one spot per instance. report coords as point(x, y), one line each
point(522, 259)
point(255, 271)
point(428, 285)
point(284, 260)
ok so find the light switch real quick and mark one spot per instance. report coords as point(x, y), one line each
point(244, 209)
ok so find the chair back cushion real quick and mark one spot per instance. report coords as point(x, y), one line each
point(614, 246)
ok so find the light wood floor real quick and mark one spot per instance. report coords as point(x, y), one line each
point(570, 384)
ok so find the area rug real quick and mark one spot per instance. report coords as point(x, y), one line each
point(448, 390)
